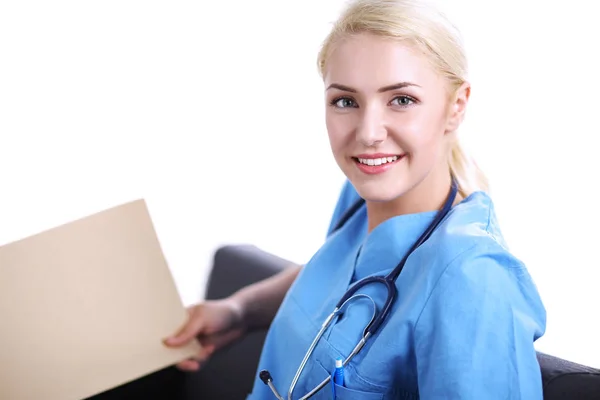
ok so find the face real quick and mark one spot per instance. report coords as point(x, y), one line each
point(389, 116)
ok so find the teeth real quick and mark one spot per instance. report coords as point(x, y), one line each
point(377, 161)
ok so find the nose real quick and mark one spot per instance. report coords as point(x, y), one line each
point(371, 130)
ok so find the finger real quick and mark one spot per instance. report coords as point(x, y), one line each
point(195, 363)
point(187, 332)
point(214, 342)
point(189, 365)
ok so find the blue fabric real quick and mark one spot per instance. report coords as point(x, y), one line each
point(347, 198)
point(462, 327)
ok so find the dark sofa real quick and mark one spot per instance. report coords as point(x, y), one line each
point(230, 373)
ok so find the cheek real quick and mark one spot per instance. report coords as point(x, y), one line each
point(424, 130)
point(414, 136)
point(339, 131)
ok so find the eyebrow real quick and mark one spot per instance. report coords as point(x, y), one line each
point(388, 88)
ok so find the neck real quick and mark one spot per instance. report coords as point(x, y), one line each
point(428, 195)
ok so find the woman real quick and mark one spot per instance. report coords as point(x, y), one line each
point(466, 313)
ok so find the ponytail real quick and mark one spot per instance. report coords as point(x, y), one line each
point(469, 176)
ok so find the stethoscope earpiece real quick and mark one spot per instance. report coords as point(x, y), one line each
point(265, 376)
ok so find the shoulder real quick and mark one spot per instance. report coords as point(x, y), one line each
point(476, 329)
point(477, 269)
point(471, 230)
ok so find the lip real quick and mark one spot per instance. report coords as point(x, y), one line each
point(376, 169)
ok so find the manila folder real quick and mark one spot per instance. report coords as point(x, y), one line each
point(84, 307)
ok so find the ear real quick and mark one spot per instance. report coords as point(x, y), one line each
point(458, 107)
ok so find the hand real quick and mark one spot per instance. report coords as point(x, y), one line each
point(214, 323)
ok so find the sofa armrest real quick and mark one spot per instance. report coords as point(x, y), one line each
point(237, 266)
point(564, 379)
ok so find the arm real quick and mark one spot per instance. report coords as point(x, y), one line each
point(259, 302)
point(475, 336)
point(219, 322)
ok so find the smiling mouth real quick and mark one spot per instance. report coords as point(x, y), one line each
point(376, 161)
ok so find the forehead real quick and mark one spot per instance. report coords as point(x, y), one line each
point(368, 62)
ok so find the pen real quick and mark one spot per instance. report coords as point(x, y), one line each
point(337, 376)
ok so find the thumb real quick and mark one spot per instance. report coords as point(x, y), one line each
point(186, 333)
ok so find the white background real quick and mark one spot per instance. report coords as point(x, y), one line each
point(212, 112)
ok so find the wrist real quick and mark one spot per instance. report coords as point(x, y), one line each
point(240, 306)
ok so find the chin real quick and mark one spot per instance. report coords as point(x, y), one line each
point(376, 192)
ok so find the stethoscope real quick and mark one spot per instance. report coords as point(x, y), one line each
point(389, 281)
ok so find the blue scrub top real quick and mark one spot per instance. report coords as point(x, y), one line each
point(462, 327)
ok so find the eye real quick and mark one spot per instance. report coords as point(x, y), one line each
point(343, 102)
point(402, 101)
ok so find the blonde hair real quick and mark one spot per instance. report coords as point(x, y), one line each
point(428, 30)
